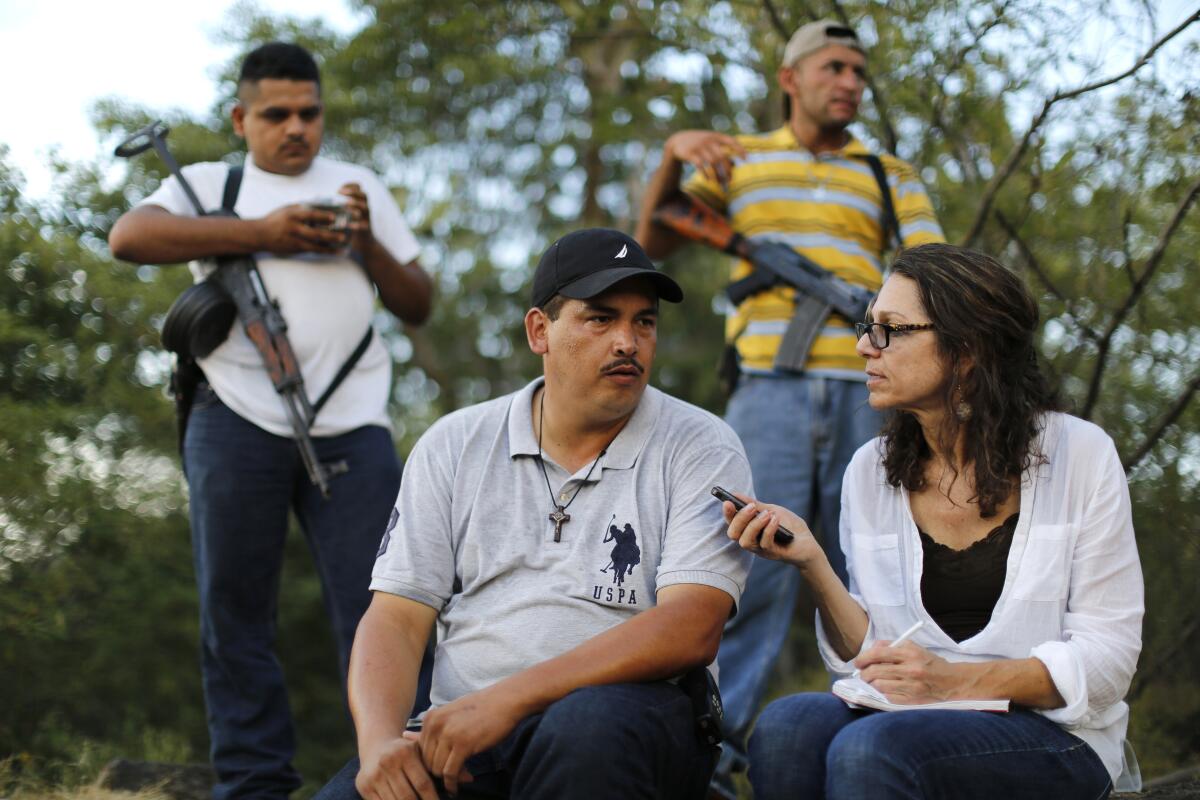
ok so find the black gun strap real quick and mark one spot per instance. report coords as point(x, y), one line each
point(342, 372)
point(186, 375)
point(185, 379)
point(233, 182)
point(891, 225)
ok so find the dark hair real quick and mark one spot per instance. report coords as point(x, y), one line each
point(982, 311)
point(554, 306)
point(281, 60)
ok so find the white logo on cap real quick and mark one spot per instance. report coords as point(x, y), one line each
point(624, 251)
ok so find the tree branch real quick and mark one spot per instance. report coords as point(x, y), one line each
point(1168, 419)
point(1035, 266)
point(1126, 250)
point(1030, 260)
point(1018, 152)
point(959, 148)
point(890, 139)
point(1141, 62)
point(1135, 294)
point(966, 160)
point(777, 21)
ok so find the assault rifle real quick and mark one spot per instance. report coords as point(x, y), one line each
point(263, 323)
point(818, 291)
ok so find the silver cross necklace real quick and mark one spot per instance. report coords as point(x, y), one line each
point(559, 515)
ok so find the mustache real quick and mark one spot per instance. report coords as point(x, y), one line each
point(623, 362)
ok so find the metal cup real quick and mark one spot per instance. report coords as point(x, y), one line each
point(341, 215)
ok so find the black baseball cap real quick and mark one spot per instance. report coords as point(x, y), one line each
point(586, 263)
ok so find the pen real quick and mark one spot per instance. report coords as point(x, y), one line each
point(902, 638)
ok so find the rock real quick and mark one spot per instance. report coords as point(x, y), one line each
point(1183, 784)
point(176, 781)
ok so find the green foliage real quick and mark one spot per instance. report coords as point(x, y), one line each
point(500, 127)
point(95, 590)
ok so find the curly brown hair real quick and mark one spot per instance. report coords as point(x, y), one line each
point(984, 311)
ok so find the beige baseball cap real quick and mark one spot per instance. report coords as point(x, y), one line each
point(812, 37)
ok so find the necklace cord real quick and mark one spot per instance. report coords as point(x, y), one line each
point(542, 460)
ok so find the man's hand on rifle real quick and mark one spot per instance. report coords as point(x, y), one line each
point(708, 151)
point(360, 217)
point(299, 228)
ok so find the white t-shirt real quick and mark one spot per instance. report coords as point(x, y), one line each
point(1072, 596)
point(327, 300)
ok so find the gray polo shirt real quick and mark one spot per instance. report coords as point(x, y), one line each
point(470, 535)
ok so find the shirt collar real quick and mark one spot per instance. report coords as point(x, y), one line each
point(250, 167)
point(522, 441)
point(621, 454)
point(785, 137)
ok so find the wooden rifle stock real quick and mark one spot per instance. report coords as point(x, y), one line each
point(267, 331)
point(692, 219)
point(277, 355)
point(818, 290)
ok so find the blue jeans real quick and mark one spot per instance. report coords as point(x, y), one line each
point(624, 740)
point(800, 433)
point(814, 746)
point(242, 482)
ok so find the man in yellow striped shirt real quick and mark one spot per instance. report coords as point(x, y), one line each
point(813, 186)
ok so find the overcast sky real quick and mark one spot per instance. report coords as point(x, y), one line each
point(59, 56)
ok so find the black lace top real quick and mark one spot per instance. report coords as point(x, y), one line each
point(960, 587)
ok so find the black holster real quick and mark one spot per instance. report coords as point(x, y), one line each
point(729, 369)
point(186, 376)
point(706, 703)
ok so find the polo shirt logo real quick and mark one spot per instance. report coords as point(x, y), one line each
point(624, 557)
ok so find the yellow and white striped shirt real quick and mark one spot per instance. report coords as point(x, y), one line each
point(826, 206)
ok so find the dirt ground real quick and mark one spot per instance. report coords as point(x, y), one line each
point(1185, 787)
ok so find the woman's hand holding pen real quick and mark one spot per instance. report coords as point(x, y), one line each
point(754, 529)
point(908, 673)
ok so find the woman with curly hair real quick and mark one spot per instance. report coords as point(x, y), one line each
point(1000, 524)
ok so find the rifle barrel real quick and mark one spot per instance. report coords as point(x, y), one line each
point(308, 454)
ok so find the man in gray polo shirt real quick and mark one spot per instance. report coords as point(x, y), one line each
point(565, 542)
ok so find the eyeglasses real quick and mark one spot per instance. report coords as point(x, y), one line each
point(880, 333)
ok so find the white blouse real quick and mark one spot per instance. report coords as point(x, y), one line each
point(1072, 596)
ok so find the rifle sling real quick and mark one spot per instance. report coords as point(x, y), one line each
point(233, 183)
point(342, 372)
point(891, 225)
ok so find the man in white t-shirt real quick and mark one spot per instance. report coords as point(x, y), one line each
point(244, 471)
